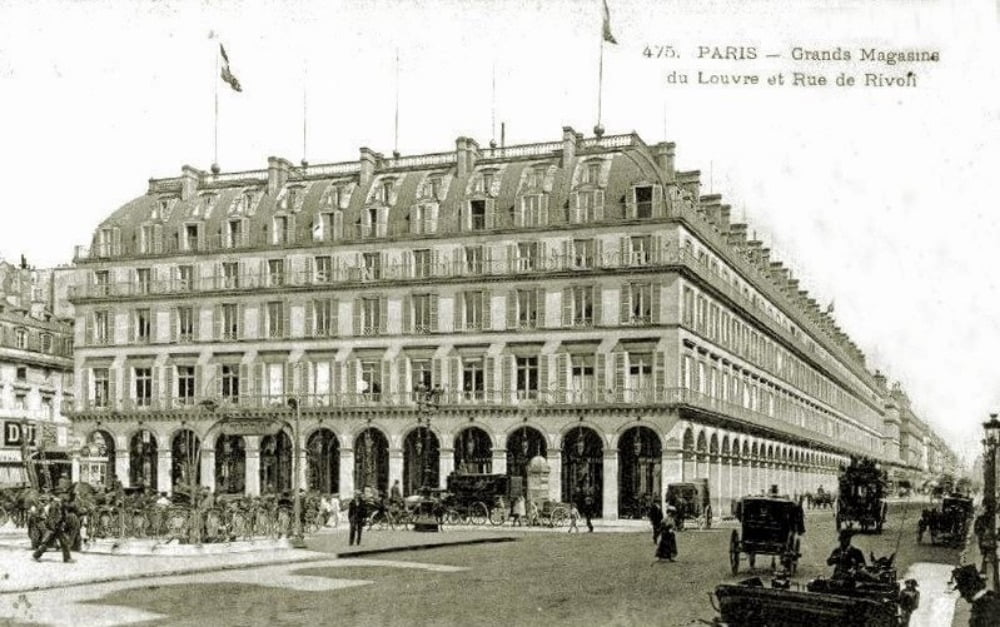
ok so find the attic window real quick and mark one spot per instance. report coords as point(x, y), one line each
point(20, 340)
point(592, 174)
point(644, 201)
point(387, 190)
point(246, 202)
point(435, 187)
point(487, 181)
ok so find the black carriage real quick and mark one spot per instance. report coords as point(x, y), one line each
point(476, 498)
point(949, 524)
point(861, 501)
point(822, 499)
point(768, 526)
point(689, 501)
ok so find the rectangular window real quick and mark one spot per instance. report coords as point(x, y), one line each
point(102, 327)
point(143, 378)
point(371, 381)
point(487, 182)
point(592, 175)
point(423, 375)
point(185, 385)
point(527, 377)
point(185, 278)
point(323, 317)
point(473, 316)
point(640, 375)
point(273, 387)
point(583, 254)
point(230, 383)
point(234, 233)
point(276, 319)
point(146, 236)
point(323, 228)
point(275, 272)
point(477, 214)
point(688, 316)
point(582, 306)
point(143, 326)
point(644, 202)
point(639, 247)
point(527, 256)
point(371, 266)
point(143, 279)
point(102, 387)
point(191, 239)
point(589, 203)
point(640, 303)
point(423, 314)
point(422, 262)
point(582, 378)
point(21, 373)
point(20, 401)
point(230, 274)
point(370, 316)
point(323, 269)
point(473, 386)
point(101, 282)
point(185, 324)
point(527, 308)
point(231, 322)
point(46, 343)
point(281, 231)
point(531, 211)
point(473, 259)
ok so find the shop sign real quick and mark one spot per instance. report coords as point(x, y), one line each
point(250, 427)
point(12, 433)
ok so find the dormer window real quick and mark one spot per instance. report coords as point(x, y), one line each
point(536, 178)
point(192, 234)
point(386, 191)
point(20, 339)
point(235, 233)
point(435, 187)
point(534, 210)
point(592, 173)
point(283, 231)
point(487, 182)
point(644, 202)
point(291, 197)
point(246, 202)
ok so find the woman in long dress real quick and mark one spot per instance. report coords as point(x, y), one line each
point(666, 549)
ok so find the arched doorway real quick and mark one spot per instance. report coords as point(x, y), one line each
point(687, 453)
point(583, 468)
point(142, 460)
point(275, 463)
point(473, 452)
point(230, 464)
point(371, 461)
point(640, 456)
point(421, 460)
point(185, 467)
point(323, 462)
point(97, 464)
point(522, 445)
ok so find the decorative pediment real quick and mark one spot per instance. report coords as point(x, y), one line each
point(486, 181)
point(203, 206)
point(583, 173)
point(384, 190)
point(434, 186)
point(245, 202)
point(537, 177)
point(337, 195)
point(291, 197)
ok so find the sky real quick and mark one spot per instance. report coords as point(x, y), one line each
point(878, 198)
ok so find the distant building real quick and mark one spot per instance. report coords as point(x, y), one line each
point(36, 379)
point(577, 300)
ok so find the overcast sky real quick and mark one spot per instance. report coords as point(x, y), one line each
point(880, 199)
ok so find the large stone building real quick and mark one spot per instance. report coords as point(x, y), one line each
point(578, 300)
point(36, 378)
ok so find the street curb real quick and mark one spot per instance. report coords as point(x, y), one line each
point(423, 547)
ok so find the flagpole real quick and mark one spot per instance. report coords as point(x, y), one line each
point(395, 148)
point(215, 144)
point(599, 130)
point(305, 116)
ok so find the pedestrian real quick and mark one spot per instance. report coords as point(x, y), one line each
point(985, 603)
point(73, 524)
point(55, 530)
point(655, 519)
point(517, 511)
point(909, 601)
point(324, 509)
point(357, 513)
point(36, 519)
point(533, 514)
point(335, 509)
point(666, 548)
point(588, 510)
point(574, 516)
point(396, 494)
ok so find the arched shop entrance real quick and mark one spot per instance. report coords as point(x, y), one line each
point(230, 464)
point(97, 462)
point(371, 461)
point(323, 462)
point(185, 469)
point(473, 452)
point(275, 463)
point(421, 455)
point(583, 468)
point(142, 460)
point(522, 445)
point(640, 456)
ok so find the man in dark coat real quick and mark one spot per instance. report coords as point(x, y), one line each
point(667, 547)
point(656, 519)
point(357, 514)
point(55, 529)
point(985, 603)
point(846, 559)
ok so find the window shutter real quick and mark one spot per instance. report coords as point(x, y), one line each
point(630, 212)
point(113, 387)
point(625, 306)
point(217, 369)
point(511, 257)
point(85, 393)
point(351, 385)
point(490, 376)
point(308, 382)
point(620, 367)
point(407, 257)
point(656, 295)
point(158, 238)
point(260, 381)
point(562, 377)
point(660, 374)
point(623, 251)
point(407, 314)
point(290, 386)
point(196, 323)
point(309, 276)
point(131, 326)
point(310, 325)
point(506, 380)
point(491, 208)
point(357, 316)
point(116, 241)
point(567, 307)
point(487, 311)
point(567, 255)
point(598, 253)
point(175, 331)
point(200, 384)
point(600, 376)
point(336, 377)
point(245, 383)
point(286, 322)
point(574, 207)
point(434, 313)
point(459, 311)
point(264, 279)
point(338, 225)
point(599, 205)
point(543, 377)
point(542, 256)
point(437, 371)
point(263, 324)
point(112, 338)
point(88, 329)
point(455, 376)
point(540, 307)
point(658, 201)
point(334, 318)
point(598, 310)
point(543, 212)
point(383, 314)
point(657, 255)
point(403, 379)
point(512, 309)
point(156, 372)
point(488, 260)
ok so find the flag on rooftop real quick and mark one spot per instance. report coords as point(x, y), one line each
point(227, 74)
point(608, 37)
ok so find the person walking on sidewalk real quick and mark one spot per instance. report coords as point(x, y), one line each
point(588, 509)
point(656, 519)
point(55, 530)
point(357, 514)
point(985, 603)
point(574, 516)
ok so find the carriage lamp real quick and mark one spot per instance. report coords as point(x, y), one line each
point(992, 430)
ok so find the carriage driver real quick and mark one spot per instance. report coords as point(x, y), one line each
point(846, 559)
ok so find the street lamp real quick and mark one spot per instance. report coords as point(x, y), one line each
point(428, 399)
point(991, 442)
point(298, 542)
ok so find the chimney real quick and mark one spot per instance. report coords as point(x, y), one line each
point(712, 205)
point(460, 148)
point(368, 161)
point(471, 154)
point(277, 174)
point(663, 152)
point(738, 235)
point(765, 258)
point(189, 182)
point(724, 212)
point(569, 147)
point(689, 182)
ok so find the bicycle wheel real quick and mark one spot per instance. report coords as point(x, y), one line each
point(478, 514)
point(452, 517)
point(498, 516)
point(558, 517)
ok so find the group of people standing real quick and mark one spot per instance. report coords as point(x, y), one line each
point(54, 519)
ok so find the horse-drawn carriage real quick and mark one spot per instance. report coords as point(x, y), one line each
point(476, 498)
point(689, 501)
point(871, 597)
point(861, 499)
point(770, 525)
point(821, 499)
point(948, 525)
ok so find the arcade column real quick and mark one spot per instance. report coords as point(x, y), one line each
point(395, 466)
point(609, 510)
point(554, 459)
point(122, 465)
point(346, 472)
point(499, 461)
point(251, 475)
point(164, 464)
point(208, 468)
point(446, 465)
point(74, 468)
point(671, 470)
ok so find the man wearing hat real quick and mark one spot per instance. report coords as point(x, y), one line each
point(985, 603)
point(846, 559)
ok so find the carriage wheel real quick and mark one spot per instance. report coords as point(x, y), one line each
point(498, 515)
point(558, 517)
point(478, 513)
point(734, 552)
point(451, 516)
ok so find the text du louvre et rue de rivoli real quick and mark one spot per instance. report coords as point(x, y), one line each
point(886, 71)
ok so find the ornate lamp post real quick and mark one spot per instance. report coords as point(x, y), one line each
point(428, 400)
point(297, 541)
point(991, 442)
